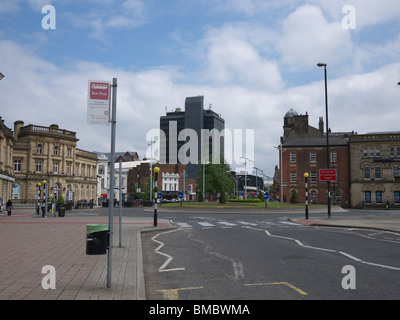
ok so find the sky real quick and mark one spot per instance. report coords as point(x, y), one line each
point(252, 60)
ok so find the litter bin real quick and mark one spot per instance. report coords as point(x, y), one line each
point(61, 210)
point(96, 239)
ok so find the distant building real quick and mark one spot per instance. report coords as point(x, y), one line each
point(47, 156)
point(304, 150)
point(195, 118)
point(128, 159)
point(172, 179)
point(375, 169)
point(6, 163)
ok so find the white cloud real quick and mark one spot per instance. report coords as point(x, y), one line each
point(307, 38)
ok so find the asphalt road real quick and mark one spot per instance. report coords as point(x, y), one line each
point(260, 257)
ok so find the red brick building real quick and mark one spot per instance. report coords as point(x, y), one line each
point(172, 179)
point(304, 150)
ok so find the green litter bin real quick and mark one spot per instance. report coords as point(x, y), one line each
point(96, 239)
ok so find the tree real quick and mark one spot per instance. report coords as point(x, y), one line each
point(218, 179)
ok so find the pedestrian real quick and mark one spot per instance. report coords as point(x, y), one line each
point(9, 207)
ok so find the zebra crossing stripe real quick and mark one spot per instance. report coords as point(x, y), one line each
point(206, 224)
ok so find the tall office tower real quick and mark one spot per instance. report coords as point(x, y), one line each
point(191, 136)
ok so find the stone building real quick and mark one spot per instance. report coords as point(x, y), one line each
point(375, 169)
point(47, 156)
point(6, 163)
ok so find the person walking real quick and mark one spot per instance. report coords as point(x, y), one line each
point(9, 207)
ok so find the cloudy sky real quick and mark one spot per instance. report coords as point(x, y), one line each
point(253, 60)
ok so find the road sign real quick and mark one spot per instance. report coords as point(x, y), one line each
point(159, 195)
point(180, 195)
point(266, 196)
point(327, 175)
point(98, 106)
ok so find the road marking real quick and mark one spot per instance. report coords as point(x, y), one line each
point(184, 225)
point(173, 294)
point(279, 283)
point(228, 224)
point(334, 251)
point(169, 258)
point(206, 224)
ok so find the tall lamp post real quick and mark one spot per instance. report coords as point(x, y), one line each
point(327, 134)
point(156, 171)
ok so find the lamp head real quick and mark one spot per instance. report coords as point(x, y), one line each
point(156, 170)
point(320, 64)
point(306, 175)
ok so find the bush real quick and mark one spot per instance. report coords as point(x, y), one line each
point(245, 201)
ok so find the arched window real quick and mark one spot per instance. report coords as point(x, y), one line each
point(39, 149)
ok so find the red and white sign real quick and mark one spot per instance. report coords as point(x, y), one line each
point(327, 175)
point(98, 108)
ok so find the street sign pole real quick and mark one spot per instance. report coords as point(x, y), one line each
point(112, 180)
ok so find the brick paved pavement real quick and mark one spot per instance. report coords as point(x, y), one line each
point(29, 242)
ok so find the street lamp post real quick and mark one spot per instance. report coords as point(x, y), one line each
point(156, 171)
point(327, 133)
point(306, 187)
point(44, 182)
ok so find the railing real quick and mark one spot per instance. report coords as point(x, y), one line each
point(51, 130)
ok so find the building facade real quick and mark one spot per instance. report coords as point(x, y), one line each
point(172, 179)
point(197, 121)
point(6, 163)
point(375, 169)
point(303, 150)
point(46, 159)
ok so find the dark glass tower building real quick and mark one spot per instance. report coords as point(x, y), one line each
point(202, 123)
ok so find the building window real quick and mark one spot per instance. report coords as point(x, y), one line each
point(396, 171)
point(397, 197)
point(392, 151)
point(55, 167)
point(365, 153)
point(333, 157)
point(69, 153)
point(68, 168)
point(313, 177)
point(378, 197)
point(313, 157)
point(293, 157)
point(39, 149)
point(367, 196)
point(377, 152)
point(371, 152)
point(398, 152)
point(378, 172)
point(38, 166)
point(367, 173)
point(17, 165)
point(293, 177)
point(56, 150)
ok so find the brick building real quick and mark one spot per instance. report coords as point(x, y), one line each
point(303, 149)
point(172, 179)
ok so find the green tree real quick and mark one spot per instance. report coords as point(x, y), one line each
point(218, 179)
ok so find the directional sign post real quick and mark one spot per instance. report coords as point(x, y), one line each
point(266, 197)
